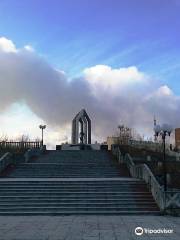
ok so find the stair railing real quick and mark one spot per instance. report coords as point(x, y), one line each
point(168, 200)
point(5, 160)
point(153, 185)
point(142, 171)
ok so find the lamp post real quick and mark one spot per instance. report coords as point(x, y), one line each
point(121, 128)
point(124, 134)
point(163, 131)
point(42, 127)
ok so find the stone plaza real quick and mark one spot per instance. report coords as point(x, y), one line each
point(86, 227)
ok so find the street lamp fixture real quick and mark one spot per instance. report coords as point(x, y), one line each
point(121, 127)
point(124, 134)
point(163, 131)
point(42, 127)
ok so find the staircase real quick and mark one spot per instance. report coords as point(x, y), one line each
point(68, 164)
point(73, 182)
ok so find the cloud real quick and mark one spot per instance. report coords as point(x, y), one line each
point(111, 96)
point(7, 45)
point(29, 48)
point(165, 104)
point(113, 80)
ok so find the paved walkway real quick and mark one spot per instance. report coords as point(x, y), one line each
point(86, 227)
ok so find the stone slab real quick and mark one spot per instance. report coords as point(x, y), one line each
point(68, 179)
point(86, 227)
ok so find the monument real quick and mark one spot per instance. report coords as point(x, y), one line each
point(81, 128)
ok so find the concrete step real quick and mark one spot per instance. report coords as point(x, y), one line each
point(77, 182)
point(72, 197)
point(62, 189)
point(68, 164)
point(52, 175)
point(71, 208)
point(74, 186)
point(80, 212)
point(73, 194)
point(106, 181)
point(108, 170)
point(20, 201)
point(79, 204)
point(71, 186)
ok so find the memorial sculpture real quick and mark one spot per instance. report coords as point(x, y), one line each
point(81, 128)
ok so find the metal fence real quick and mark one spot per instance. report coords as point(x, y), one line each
point(20, 145)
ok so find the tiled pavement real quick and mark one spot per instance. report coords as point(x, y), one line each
point(86, 227)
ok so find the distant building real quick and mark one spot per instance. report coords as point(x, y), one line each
point(111, 141)
point(177, 138)
point(155, 146)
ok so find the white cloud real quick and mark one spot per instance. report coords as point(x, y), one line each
point(114, 80)
point(29, 48)
point(163, 91)
point(7, 45)
point(111, 96)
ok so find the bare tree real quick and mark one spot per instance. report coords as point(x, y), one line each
point(125, 134)
point(23, 138)
point(4, 138)
point(37, 139)
point(136, 136)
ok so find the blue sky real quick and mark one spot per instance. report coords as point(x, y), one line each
point(73, 35)
point(121, 40)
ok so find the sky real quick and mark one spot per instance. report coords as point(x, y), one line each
point(118, 59)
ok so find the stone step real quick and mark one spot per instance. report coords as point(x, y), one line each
point(69, 164)
point(79, 205)
point(77, 171)
point(79, 197)
point(58, 192)
point(75, 200)
point(119, 190)
point(80, 212)
point(55, 166)
point(77, 182)
point(74, 172)
point(81, 169)
point(73, 181)
point(70, 173)
point(73, 186)
point(67, 194)
point(62, 176)
point(73, 189)
point(70, 184)
point(59, 166)
point(69, 208)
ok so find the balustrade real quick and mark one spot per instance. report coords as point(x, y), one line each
point(165, 200)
